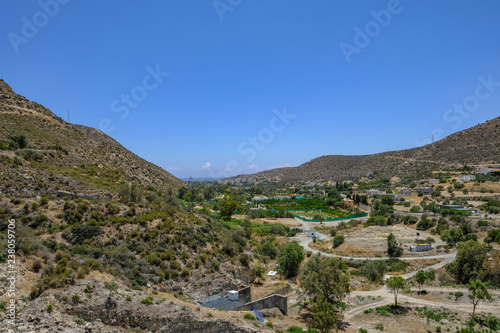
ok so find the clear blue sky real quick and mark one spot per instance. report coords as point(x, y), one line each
point(233, 65)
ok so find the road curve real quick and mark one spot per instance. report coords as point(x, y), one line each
point(304, 242)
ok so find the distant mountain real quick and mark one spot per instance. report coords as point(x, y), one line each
point(479, 144)
point(65, 157)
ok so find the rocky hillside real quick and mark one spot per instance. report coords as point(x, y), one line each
point(479, 144)
point(60, 156)
point(122, 312)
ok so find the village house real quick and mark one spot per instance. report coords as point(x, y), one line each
point(395, 180)
point(373, 192)
point(424, 190)
point(348, 203)
point(405, 192)
point(466, 178)
point(483, 170)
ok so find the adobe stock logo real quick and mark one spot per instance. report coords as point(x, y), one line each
point(137, 94)
point(459, 111)
point(222, 6)
point(30, 28)
point(250, 147)
point(372, 29)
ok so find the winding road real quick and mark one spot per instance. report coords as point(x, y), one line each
point(304, 242)
point(382, 296)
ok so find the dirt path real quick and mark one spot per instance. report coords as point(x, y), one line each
point(388, 298)
point(304, 242)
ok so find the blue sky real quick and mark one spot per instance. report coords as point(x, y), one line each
point(216, 88)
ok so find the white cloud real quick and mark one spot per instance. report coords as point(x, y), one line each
point(253, 167)
point(207, 165)
point(171, 168)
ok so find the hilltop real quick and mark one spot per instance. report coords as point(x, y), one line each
point(476, 145)
point(64, 157)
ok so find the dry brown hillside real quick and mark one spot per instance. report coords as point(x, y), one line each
point(64, 156)
point(479, 144)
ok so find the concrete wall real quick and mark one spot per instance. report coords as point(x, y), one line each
point(266, 303)
point(282, 291)
point(245, 295)
point(365, 207)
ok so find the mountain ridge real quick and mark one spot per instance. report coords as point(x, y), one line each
point(476, 145)
point(75, 146)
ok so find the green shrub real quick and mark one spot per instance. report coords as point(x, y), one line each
point(249, 317)
point(80, 233)
point(383, 311)
point(50, 308)
point(362, 330)
point(128, 298)
point(438, 329)
point(148, 300)
point(482, 223)
point(337, 241)
point(415, 209)
point(396, 265)
point(19, 141)
point(75, 298)
point(379, 326)
point(29, 155)
point(269, 324)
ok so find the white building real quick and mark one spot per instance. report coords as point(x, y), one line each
point(483, 170)
point(373, 192)
point(466, 178)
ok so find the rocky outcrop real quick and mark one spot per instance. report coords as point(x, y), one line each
point(95, 312)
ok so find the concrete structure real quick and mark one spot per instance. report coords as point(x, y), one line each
point(243, 301)
point(372, 192)
point(365, 207)
point(466, 178)
point(420, 247)
point(349, 203)
point(483, 170)
point(281, 302)
point(405, 191)
point(219, 302)
point(235, 299)
point(232, 295)
point(272, 274)
point(245, 294)
point(424, 190)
